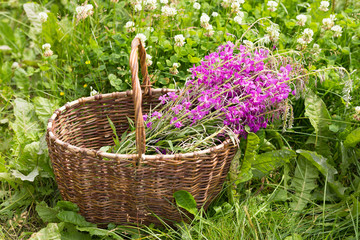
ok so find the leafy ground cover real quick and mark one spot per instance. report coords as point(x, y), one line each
point(297, 179)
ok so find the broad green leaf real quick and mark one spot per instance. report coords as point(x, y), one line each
point(66, 205)
point(44, 108)
point(353, 138)
point(185, 200)
point(72, 233)
point(21, 79)
point(74, 218)
point(355, 210)
point(26, 126)
point(233, 177)
point(316, 111)
point(326, 169)
point(252, 146)
point(303, 183)
point(50, 232)
point(2, 164)
point(30, 177)
point(47, 214)
point(99, 232)
point(234, 167)
point(266, 162)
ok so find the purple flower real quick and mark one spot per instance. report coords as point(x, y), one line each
point(149, 125)
point(157, 114)
point(178, 124)
point(145, 116)
point(238, 84)
point(163, 99)
point(173, 120)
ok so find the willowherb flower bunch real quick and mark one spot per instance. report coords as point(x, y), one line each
point(236, 86)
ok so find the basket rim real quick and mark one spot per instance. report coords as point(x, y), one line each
point(93, 153)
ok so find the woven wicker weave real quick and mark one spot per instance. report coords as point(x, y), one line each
point(127, 188)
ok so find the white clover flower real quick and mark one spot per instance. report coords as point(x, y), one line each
point(235, 6)
point(266, 39)
point(151, 4)
point(148, 60)
point(301, 19)
point(204, 20)
point(137, 7)
point(226, 3)
point(43, 16)
point(316, 49)
point(210, 31)
point(248, 43)
point(15, 65)
point(84, 11)
point(214, 14)
point(337, 30)
point(174, 69)
point(164, 1)
point(301, 41)
point(150, 29)
point(272, 6)
point(142, 38)
point(357, 109)
point(168, 11)
point(329, 22)
point(273, 32)
point(197, 5)
point(239, 17)
point(46, 46)
point(93, 92)
point(48, 53)
point(307, 35)
point(324, 6)
point(5, 48)
point(179, 40)
point(130, 26)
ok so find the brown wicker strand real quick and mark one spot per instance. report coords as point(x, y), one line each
point(137, 96)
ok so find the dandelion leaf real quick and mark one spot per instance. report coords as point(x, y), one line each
point(47, 214)
point(51, 231)
point(353, 138)
point(303, 183)
point(266, 162)
point(325, 168)
point(316, 111)
point(252, 146)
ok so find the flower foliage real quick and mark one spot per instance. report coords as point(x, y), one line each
point(236, 85)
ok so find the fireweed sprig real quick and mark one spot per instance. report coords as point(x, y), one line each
point(233, 91)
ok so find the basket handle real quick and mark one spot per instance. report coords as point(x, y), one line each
point(137, 47)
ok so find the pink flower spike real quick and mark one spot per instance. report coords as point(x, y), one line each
point(149, 125)
point(178, 124)
point(157, 114)
point(173, 120)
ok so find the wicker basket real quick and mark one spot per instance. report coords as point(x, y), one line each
point(121, 188)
